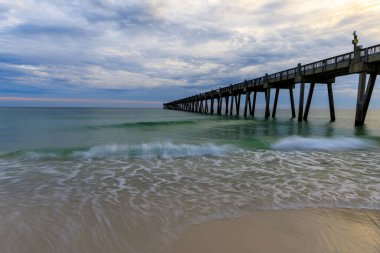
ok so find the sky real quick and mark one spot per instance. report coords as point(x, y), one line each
point(141, 53)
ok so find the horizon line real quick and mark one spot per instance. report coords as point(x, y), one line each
point(80, 100)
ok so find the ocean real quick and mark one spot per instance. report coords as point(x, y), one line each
point(130, 180)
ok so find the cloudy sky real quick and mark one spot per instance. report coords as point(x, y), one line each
point(141, 53)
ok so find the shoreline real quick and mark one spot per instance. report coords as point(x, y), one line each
point(301, 230)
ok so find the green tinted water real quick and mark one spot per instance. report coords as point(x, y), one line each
point(126, 180)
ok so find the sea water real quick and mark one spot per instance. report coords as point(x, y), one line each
point(129, 180)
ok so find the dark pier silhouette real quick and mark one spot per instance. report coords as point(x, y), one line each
point(362, 61)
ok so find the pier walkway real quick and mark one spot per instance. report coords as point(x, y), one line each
point(362, 61)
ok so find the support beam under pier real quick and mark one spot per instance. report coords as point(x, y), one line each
point(301, 98)
point(232, 105)
point(275, 103)
point(254, 103)
point(331, 102)
point(308, 102)
point(267, 99)
point(359, 121)
point(220, 100)
point(247, 103)
point(212, 106)
point(237, 102)
point(364, 97)
point(226, 98)
point(368, 94)
point(292, 102)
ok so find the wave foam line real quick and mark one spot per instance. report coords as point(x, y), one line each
point(151, 150)
point(124, 151)
point(321, 143)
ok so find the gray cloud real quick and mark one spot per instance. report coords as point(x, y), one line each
point(60, 30)
point(148, 45)
point(124, 15)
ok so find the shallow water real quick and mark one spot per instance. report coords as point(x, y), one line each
point(127, 180)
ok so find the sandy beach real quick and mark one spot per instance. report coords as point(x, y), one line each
point(306, 230)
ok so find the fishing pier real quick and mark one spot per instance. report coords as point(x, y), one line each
point(226, 100)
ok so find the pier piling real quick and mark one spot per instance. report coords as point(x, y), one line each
point(368, 95)
point(292, 102)
point(267, 100)
point(301, 98)
point(212, 106)
point(237, 101)
point(254, 103)
point(308, 102)
point(364, 97)
point(247, 103)
point(331, 102)
point(232, 105)
point(275, 103)
point(226, 99)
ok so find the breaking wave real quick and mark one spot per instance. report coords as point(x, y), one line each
point(151, 150)
point(126, 151)
point(322, 143)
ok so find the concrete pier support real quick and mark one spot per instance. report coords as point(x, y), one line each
point(359, 121)
point(308, 102)
point(331, 102)
point(219, 110)
point(275, 103)
point(254, 103)
point(364, 97)
point(300, 107)
point(368, 95)
point(267, 99)
point(232, 105)
point(212, 106)
point(226, 98)
point(247, 103)
point(292, 102)
point(237, 102)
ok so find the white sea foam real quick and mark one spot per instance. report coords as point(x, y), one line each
point(157, 195)
point(321, 143)
point(150, 150)
point(32, 155)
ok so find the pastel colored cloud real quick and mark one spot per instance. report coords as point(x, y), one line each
point(162, 50)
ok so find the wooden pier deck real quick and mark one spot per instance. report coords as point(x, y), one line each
point(362, 61)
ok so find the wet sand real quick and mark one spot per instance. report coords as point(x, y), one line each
point(293, 231)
